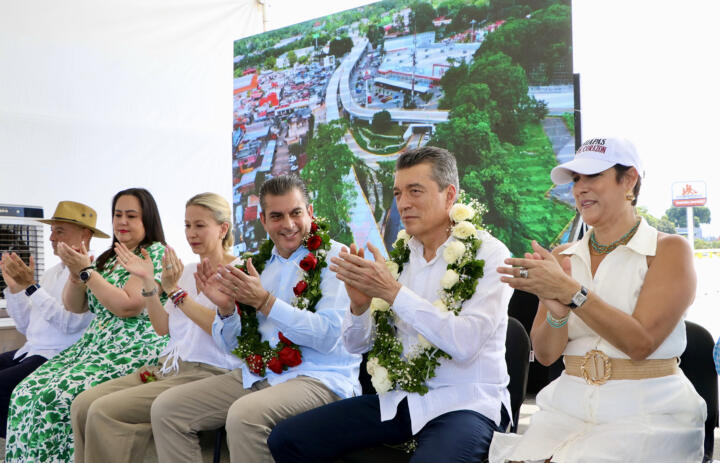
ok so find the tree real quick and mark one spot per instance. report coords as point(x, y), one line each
point(663, 224)
point(421, 17)
point(375, 35)
point(382, 121)
point(678, 215)
point(339, 47)
point(269, 62)
point(292, 58)
point(461, 20)
point(328, 163)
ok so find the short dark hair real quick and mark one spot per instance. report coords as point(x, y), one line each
point(150, 218)
point(620, 172)
point(442, 163)
point(280, 185)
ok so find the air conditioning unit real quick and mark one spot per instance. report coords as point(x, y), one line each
point(21, 234)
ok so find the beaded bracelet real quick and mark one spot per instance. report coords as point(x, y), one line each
point(556, 322)
point(178, 296)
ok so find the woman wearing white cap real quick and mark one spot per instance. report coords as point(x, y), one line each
point(612, 304)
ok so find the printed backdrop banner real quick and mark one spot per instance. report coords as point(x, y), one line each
point(337, 99)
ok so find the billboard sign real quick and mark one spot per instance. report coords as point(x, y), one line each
point(687, 194)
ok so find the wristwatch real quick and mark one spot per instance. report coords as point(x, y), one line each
point(30, 290)
point(85, 274)
point(579, 298)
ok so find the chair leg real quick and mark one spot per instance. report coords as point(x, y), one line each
point(219, 437)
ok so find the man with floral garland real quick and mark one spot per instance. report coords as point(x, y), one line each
point(437, 358)
point(288, 333)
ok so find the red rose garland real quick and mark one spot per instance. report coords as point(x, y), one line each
point(258, 354)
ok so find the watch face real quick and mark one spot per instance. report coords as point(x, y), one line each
point(85, 275)
point(579, 299)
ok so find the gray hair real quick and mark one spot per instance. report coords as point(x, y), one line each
point(442, 163)
point(280, 185)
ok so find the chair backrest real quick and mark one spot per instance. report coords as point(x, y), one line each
point(517, 357)
point(698, 365)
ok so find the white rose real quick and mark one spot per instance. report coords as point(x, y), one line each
point(449, 279)
point(440, 305)
point(381, 380)
point(424, 343)
point(460, 212)
point(371, 364)
point(393, 267)
point(378, 304)
point(464, 230)
point(402, 238)
point(453, 252)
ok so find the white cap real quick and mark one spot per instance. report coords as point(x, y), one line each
point(597, 155)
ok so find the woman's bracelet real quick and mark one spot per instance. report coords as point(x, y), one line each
point(150, 293)
point(178, 296)
point(556, 322)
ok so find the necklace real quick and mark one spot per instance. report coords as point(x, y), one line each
point(388, 365)
point(256, 352)
point(600, 249)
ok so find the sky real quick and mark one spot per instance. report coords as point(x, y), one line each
point(648, 72)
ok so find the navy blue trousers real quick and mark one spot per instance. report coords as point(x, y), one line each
point(11, 373)
point(333, 430)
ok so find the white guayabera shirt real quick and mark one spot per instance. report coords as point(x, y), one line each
point(476, 378)
point(42, 318)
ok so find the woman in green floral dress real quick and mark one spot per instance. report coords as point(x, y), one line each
point(118, 341)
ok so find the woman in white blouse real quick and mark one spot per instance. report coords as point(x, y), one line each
point(612, 304)
point(121, 408)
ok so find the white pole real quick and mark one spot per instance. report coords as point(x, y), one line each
point(690, 228)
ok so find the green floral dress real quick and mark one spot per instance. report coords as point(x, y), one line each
point(39, 417)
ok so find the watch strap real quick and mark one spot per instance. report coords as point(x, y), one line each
point(30, 290)
point(581, 295)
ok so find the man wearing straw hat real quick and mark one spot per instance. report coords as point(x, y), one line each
point(37, 308)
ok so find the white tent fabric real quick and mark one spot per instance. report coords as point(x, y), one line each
point(100, 96)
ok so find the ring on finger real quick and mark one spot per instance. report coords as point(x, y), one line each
point(523, 272)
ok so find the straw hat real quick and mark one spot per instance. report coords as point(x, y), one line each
point(78, 214)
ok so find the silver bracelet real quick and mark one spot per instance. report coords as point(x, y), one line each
point(150, 293)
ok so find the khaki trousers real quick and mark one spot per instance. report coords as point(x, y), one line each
point(111, 421)
point(248, 414)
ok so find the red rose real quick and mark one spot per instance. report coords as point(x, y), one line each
point(275, 365)
point(147, 376)
point(290, 357)
point(239, 310)
point(309, 262)
point(284, 340)
point(255, 363)
point(313, 227)
point(300, 288)
point(314, 242)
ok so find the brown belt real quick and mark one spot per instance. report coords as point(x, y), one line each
point(597, 368)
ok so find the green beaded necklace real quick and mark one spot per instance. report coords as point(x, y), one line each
point(601, 249)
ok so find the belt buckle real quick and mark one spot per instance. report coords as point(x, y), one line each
point(602, 370)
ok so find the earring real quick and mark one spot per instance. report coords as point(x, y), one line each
point(629, 196)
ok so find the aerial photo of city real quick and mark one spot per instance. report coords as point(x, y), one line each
point(337, 99)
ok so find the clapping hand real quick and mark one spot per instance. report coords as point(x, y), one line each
point(371, 279)
point(245, 288)
point(141, 267)
point(172, 270)
point(16, 274)
point(75, 260)
point(209, 285)
point(359, 301)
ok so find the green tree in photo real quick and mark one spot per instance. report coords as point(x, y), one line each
point(328, 163)
point(421, 17)
point(381, 121)
point(292, 58)
point(340, 47)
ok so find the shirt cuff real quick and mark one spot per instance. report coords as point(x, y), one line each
point(406, 304)
point(358, 322)
point(17, 296)
point(226, 331)
point(282, 312)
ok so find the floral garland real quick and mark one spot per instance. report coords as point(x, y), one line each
point(258, 354)
point(386, 365)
